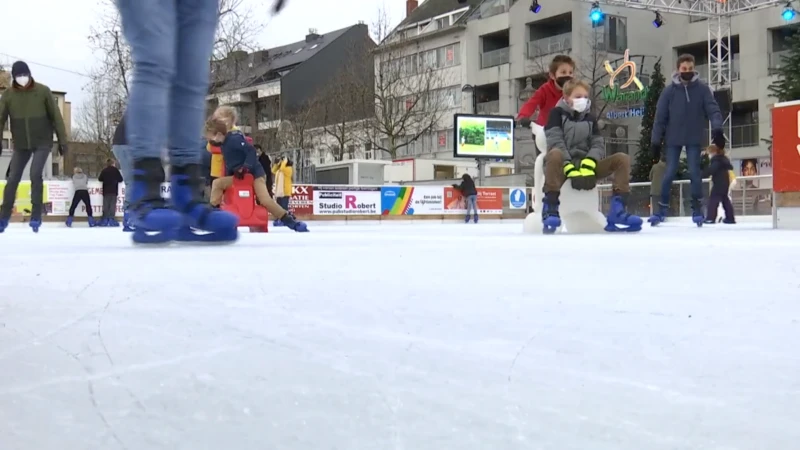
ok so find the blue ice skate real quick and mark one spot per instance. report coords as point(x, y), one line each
point(697, 213)
point(200, 222)
point(551, 220)
point(92, 222)
point(294, 224)
point(277, 223)
point(3, 225)
point(113, 223)
point(154, 223)
point(618, 218)
point(35, 224)
point(126, 223)
point(466, 218)
point(68, 223)
point(475, 218)
point(659, 216)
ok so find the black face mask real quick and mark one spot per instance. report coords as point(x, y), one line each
point(215, 143)
point(561, 81)
point(687, 76)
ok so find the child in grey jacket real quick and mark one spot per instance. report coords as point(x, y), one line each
point(80, 183)
point(576, 152)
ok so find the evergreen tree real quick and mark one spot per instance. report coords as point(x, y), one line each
point(643, 161)
point(787, 86)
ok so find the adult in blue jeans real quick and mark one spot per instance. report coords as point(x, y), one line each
point(684, 108)
point(171, 44)
point(470, 194)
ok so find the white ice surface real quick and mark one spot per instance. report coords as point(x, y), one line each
point(389, 337)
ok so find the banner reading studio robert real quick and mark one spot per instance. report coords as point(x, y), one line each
point(347, 200)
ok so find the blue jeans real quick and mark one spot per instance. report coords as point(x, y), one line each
point(171, 44)
point(472, 204)
point(123, 155)
point(673, 157)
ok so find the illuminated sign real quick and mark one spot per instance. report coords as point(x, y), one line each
point(614, 93)
point(625, 113)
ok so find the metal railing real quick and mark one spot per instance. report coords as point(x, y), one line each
point(776, 59)
point(494, 58)
point(560, 43)
point(736, 74)
point(752, 196)
point(492, 107)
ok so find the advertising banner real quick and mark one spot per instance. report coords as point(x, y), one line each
point(517, 198)
point(490, 201)
point(346, 200)
point(301, 202)
point(408, 200)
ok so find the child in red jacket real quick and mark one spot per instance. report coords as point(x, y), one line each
point(545, 98)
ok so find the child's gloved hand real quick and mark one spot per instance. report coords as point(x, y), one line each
point(588, 174)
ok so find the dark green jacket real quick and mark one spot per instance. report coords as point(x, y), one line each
point(34, 116)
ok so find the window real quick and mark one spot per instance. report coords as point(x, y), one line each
point(55, 169)
point(437, 58)
point(351, 151)
point(442, 139)
point(612, 34)
point(5, 144)
point(368, 151)
point(443, 23)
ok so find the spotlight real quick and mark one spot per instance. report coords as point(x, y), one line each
point(596, 14)
point(535, 7)
point(789, 12)
point(658, 20)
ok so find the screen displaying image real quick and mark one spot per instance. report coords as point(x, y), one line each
point(484, 136)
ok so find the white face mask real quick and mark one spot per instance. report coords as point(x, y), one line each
point(22, 81)
point(580, 104)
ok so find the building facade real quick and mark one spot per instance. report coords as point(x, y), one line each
point(55, 163)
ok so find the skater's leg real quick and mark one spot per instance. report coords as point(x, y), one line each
point(727, 205)
point(673, 156)
point(123, 155)
point(19, 159)
point(76, 198)
point(553, 180)
point(262, 194)
point(40, 156)
point(713, 205)
point(87, 202)
point(218, 187)
point(693, 155)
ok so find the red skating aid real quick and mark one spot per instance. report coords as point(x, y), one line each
point(240, 199)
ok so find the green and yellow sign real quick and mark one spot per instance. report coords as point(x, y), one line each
point(614, 93)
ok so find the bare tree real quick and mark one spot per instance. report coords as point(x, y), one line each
point(410, 95)
point(238, 29)
point(95, 119)
point(294, 130)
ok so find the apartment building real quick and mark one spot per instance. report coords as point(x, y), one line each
point(271, 86)
point(54, 166)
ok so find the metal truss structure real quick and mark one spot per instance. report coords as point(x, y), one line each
point(718, 13)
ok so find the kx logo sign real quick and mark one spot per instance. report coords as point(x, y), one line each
point(299, 190)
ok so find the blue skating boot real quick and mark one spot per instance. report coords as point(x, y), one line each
point(289, 221)
point(3, 225)
point(126, 222)
point(35, 224)
point(113, 223)
point(475, 218)
point(551, 220)
point(154, 222)
point(697, 213)
point(92, 222)
point(200, 221)
point(660, 215)
point(466, 218)
point(618, 218)
point(277, 223)
point(69, 221)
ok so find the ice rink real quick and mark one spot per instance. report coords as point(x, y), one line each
point(402, 337)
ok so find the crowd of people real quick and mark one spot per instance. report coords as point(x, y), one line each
point(576, 149)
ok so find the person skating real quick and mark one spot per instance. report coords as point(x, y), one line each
point(266, 164)
point(240, 159)
point(283, 170)
point(110, 177)
point(171, 44)
point(656, 177)
point(683, 110)
point(80, 184)
point(119, 146)
point(470, 194)
point(720, 170)
point(576, 151)
point(34, 116)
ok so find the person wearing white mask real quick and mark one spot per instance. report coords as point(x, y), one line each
point(576, 152)
point(34, 116)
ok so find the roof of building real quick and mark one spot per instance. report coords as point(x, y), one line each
point(429, 9)
point(275, 62)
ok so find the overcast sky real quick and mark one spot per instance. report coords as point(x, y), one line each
point(51, 35)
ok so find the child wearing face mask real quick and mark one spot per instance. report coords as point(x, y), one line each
point(547, 96)
point(576, 153)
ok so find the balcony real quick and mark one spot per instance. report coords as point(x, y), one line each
point(561, 43)
point(494, 58)
point(741, 136)
point(268, 124)
point(776, 59)
point(492, 107)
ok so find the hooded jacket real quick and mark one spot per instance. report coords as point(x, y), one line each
point(544, 99)
point(576, 135)
point(283, 178)
point(683, 112)
point(34, 116)
point(238, 154)
point(719, 169)
point(80, 182)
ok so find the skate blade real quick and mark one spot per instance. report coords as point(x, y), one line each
point(186, 237)
point(153, 238)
